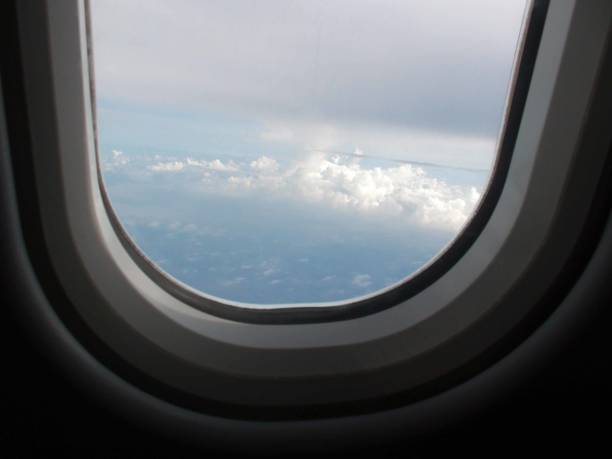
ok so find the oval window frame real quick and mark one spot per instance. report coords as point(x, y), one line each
point(278, 364)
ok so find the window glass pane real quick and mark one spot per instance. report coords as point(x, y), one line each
point(306, 151)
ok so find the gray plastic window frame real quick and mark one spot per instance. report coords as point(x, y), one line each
point(479, 299)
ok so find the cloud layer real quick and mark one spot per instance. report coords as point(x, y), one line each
point(401, 191)
point(404, 191)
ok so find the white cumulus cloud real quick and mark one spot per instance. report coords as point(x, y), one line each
point(170, 166)
point(117, 160)
point(264, 165)
point(362, 280)
point(398, 190)
point(404, 190)
point(214, 165)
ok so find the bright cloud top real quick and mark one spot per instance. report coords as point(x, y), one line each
point(116, 161)
point(170, 166)
point(215, 165)
point(404, 191)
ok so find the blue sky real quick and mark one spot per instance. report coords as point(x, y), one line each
point(271, 151)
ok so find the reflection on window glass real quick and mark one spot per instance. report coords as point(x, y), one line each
point(306, 151)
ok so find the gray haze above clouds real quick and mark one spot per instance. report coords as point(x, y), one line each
point(437, 65)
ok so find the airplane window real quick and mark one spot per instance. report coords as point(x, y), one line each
point(204, 91)
point(311, 152)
